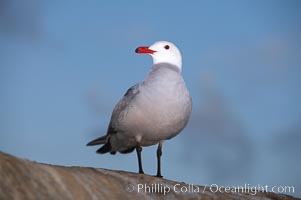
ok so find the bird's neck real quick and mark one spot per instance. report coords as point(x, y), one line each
point(171, 61)
point(165, 68)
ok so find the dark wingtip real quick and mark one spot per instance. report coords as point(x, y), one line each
point(89, 144)
point(100, 140)
point(92, 143)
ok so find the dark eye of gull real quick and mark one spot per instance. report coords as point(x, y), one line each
point(166, 47)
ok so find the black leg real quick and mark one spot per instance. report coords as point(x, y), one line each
point(138, 150)
point(159, 154)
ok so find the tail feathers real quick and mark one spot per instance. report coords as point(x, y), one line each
point(106, 147)
point(100, 140)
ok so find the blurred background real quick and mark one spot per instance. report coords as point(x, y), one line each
point(65, 64)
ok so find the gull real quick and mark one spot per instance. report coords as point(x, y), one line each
point(152, 111)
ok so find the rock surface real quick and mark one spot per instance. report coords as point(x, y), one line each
point(23, 179)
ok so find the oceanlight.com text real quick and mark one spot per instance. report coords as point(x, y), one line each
point(164, 189)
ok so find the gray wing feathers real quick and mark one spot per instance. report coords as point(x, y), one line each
point(121, 108)
point(118, 113)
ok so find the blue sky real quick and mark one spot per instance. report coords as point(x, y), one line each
point(64, 65)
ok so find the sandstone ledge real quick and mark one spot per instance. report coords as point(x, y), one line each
point(23, 179)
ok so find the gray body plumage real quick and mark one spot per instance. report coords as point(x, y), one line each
point(154, 110)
